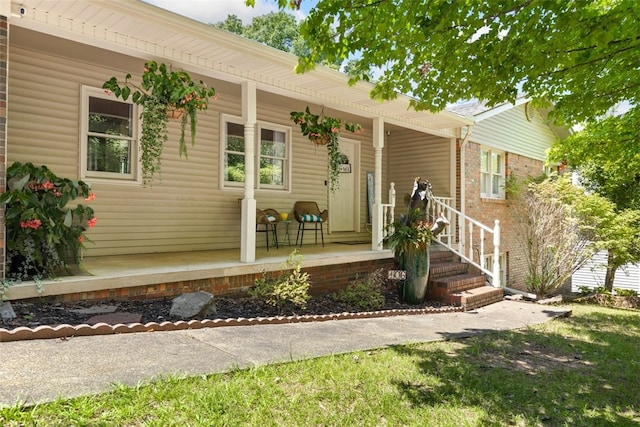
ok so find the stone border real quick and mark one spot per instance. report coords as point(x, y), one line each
point(67, 331)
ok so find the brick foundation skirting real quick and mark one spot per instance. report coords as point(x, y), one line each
point(324, 280)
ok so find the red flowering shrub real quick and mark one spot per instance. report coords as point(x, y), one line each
point(45, 231)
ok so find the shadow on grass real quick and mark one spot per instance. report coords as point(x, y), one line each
point(582, 370)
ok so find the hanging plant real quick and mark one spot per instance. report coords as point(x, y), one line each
point(162, 94)
point(325, 130)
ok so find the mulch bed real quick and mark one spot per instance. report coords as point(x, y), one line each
point(33, 313)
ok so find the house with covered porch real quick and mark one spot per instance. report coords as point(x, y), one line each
point(194, 227)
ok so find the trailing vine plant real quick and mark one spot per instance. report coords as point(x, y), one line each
point(325, 130)
point(162, 94)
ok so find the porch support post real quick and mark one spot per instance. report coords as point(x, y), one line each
point(378, 143)
point(248, 217)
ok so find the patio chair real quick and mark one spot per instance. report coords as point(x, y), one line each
point(308, 215)
point(269, 219)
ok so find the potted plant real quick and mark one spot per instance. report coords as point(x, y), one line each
point(163, 94)
point(44, 230)
point(409, 239)
point(409, 242)
point(325, 130)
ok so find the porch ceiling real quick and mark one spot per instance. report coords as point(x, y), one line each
point(144, 31)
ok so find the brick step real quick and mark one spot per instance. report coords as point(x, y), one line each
point(444, 269)
point(476, 298)
point(440, 256)
point(458, 283)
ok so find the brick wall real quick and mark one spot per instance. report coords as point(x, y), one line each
point(487, 210)
point(324, 280)
point(4, 41)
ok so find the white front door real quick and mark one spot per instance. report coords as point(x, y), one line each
point(344, 201)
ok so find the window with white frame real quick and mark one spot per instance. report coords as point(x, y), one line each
point(108, 136)
point(551, 169)
point(234, 161)
point(273, 163)
point(272, 154)
point(502, 260)
point(492, 167)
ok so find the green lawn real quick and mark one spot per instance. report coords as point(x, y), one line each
point(583, 370)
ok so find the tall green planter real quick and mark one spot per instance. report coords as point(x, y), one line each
point(416, 265)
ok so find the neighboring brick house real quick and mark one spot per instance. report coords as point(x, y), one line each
point(510, 140)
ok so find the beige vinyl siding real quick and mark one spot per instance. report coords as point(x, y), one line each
point(413, 154)
point(510, 131)
point(309, 166)
point(182, 210)
point(185, 208)
point(43, 113)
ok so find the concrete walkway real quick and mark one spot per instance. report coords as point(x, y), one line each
point(42, 370)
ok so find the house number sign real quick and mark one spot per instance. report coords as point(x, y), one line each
point(397, 275)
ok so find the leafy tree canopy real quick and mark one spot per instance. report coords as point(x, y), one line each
point(581, 55)
point(279, 30)
point(607, 155)
point(233, 24)
point(276, 29)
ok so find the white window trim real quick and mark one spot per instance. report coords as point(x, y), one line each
point(228, 185)
point(107, 177)
point(286, 186)
point(224, 119)
point(501, 191)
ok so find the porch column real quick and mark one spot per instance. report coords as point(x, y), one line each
point(378, 143)
point(248, 217)
point(5, 14)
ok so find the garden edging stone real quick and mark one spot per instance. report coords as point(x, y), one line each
point(67, 331)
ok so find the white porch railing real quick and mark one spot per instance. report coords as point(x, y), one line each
point(462, 246)
point(465, 247)
point(388, 216)
point(443, 207)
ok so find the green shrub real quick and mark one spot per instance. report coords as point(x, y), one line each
point(599, 290)
point(625, 292)
point(290, 287)
point(364, 294)
point(45, 227)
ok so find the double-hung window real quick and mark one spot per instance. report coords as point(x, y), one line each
point(108, 144)
point(273, 157)
point(492, 167)
point(272, 154)
point(234, 158)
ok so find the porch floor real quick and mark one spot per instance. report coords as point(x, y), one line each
point(114, 272)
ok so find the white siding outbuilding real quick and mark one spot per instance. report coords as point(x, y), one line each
point(593, 274)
